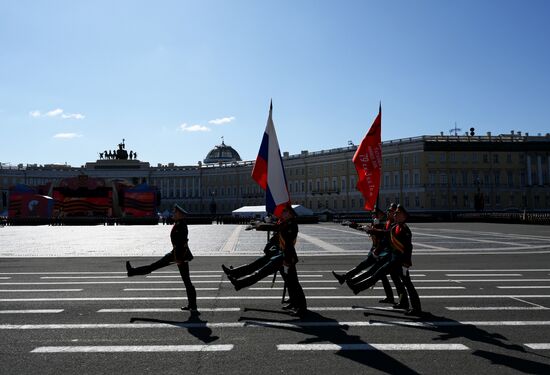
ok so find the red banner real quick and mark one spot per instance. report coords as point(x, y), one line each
point(368, 163)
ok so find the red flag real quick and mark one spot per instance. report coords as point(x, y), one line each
point(368, 162)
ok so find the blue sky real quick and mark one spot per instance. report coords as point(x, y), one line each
point(173, 77)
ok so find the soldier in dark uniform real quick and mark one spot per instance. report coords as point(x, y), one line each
point(180, 254)
point(401, 252)
point(281, 257)
point(379, 244)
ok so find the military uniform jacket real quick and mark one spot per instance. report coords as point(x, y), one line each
point(180, 247)
point(401, 243)
point(288, 232)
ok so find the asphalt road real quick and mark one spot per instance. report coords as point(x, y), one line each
point(485, 290)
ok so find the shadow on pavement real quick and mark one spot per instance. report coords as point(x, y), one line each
point(195, 326)
point(334, 334)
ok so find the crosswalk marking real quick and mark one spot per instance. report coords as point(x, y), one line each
point(539, 346)
point(384, 347)
point(304, 288)
point(163, 289)
point(43, 311)
point(276, 324)
point(482, 274)
point(129, 348)
point(525, 287)
point(495, 308)
point(264, 297)
point(215, 309)
point(38, 290)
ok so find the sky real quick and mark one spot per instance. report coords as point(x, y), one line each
point(174, 77)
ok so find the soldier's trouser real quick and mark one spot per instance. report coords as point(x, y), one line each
point(295, 291)
point(385, 266)
point(184, 272)
point(272, 266)
point(413, 295)
point(369, 262)
point(249, 268)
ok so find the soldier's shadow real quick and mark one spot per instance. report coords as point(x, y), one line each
point(194, 325)
point(326, 330)
point(449, 329)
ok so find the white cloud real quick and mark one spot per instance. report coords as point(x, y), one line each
point(76, 116)
point(193, 128)
point(221, 121)
point(56, 113)
point(67, 135)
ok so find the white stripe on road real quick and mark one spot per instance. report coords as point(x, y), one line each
point(525, 287)
point(162, 289)
point(83, 277)
point(304, 288)
point(539, 346)
point(231, 244)
point(215, 309)
point(481, 274)
point(495, 308)
point(5, 278)
point(38, 290)
point(218, 298)
point(383, 347)
point(128, 348)
point(178, 276)
point(44, 311)
point(267, 324)
point(432, 287)
point(320, 243)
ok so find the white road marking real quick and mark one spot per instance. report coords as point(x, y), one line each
point(231, 244)
point(482, 274)
point(215, 309)
point(162, 289)
point(495, 308)
point(215, 298)
point(179, 276)
point(539, 346)
point(525, 287)
point(128, 348)
point(320, 243)
point(265, 324)
point(382, 347)
point(83, 277)
point(304, 288)
point(5, 278)
point(44, 311)
point(38, 290)
point(433, 287)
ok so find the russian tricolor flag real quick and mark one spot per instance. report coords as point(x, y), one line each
point(269, 172)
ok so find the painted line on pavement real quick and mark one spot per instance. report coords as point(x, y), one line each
point(539, 346)
point(304, 288)
point(525, 287)
point(138, 298)
point(128, 348)
point(494, 308)
point(38, 290)
point(277, 324)
point(43, 311)
point(383, 347)
point(215, 309)
point(231, 244)
point(481, 274)
point(162, 289)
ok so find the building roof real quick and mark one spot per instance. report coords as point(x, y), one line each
point(222, 154)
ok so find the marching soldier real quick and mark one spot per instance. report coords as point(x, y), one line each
point(379, 245)
point(180, 254)
point(400, 244)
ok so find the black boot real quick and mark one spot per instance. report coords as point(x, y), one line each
point(341, 278)
point(129, 269)
point(236, 283)
point(387, 300)
point(226, 270)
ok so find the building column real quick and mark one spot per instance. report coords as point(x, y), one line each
point(529, 178)
point(539, 170)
